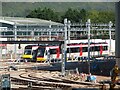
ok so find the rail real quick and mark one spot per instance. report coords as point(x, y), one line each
point(40, 78)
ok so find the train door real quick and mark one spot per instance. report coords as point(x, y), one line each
point(81, 50)
point(101, 50)
point(58, 53)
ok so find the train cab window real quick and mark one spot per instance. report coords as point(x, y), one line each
point(40, 52)
point(27, 52)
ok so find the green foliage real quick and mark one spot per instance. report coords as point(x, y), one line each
point(101, 16)
point(83, 15)
point(74, 15)
point(71, 15)
point(98, 12)
point(46, 13)
point(93, 15)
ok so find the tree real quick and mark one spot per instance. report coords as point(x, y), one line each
point(33, 14)
point(106, 16)
point(94, 16)
point(101, 16)
point(75, 15)
point(46, 13)
point(83, 15)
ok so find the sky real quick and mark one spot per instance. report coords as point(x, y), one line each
point(59, 0)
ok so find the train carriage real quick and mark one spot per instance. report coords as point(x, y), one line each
point(29, 51)
point(43, 53)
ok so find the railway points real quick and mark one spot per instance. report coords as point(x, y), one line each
point(39, 78)
point(50, 79)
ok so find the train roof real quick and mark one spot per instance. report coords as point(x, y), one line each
point(72, 42)
point(86, 41)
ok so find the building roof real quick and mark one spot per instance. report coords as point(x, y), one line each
point(21, 21)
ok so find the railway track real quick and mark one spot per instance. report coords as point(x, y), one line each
point(45, 78)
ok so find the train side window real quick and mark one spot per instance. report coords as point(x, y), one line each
point(85, 49)
point(53, 51)
point(105, 48)
point(68, 50)
point(73, 50)
point(92, 48)
point(97, 48)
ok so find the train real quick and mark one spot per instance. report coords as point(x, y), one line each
point(41, 53)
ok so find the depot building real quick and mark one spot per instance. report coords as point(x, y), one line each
point(24, 26)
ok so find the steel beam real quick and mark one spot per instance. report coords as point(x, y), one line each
point(32, 42)
point(117, 34)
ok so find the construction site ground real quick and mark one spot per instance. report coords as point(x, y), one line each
point(48, 80)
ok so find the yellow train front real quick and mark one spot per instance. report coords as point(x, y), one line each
point(39, 55)
point(29, 52)
point(44, 53)
point(35, 53)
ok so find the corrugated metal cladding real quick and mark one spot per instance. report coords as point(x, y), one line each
point(22, 22)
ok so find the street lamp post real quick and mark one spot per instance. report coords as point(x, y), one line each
point(15, 37)
point(32, 34)
point(88, 27)
point(65, 45)
point(110, 25)
point(69, 23)
point(50, 31)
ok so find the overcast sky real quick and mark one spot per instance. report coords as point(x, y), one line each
point(59, 0)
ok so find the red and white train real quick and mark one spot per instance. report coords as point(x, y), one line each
point(79, 49)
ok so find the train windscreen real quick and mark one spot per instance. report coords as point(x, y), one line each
point(40, 52)
point(27, 52)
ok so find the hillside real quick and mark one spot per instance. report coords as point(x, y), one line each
point(23, 8)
